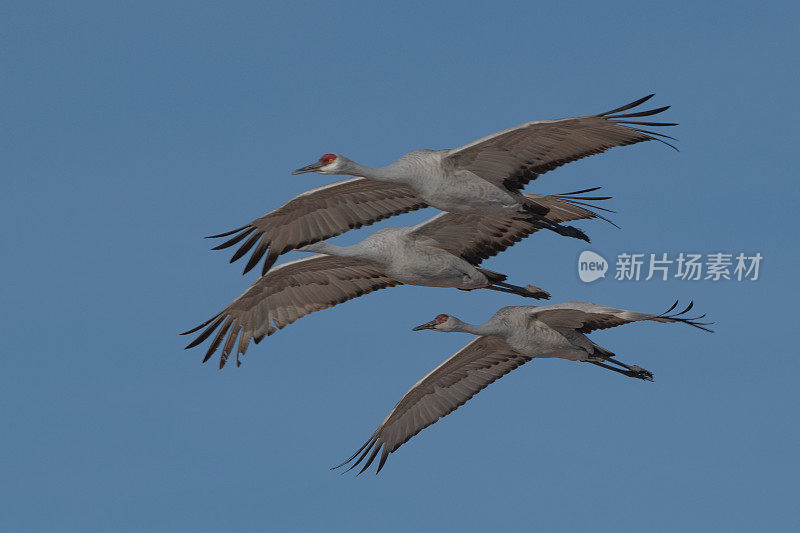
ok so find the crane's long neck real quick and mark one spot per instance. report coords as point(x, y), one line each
point(357, 251)
point(487, 328)
point(330, 249)
point(388, 173)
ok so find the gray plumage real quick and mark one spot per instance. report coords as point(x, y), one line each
point(512, 337)
point(483, 177)
point(444, 251)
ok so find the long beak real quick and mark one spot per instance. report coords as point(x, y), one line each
point(313, 167)
point(426, 325)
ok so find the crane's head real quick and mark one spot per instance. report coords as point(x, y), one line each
point(440, 323)
point(327, 164)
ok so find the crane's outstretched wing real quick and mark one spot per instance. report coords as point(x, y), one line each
point(286, 293)
point(515, 156)
point(317, 215)
point(478, 237)
point(445, 389)
point(587, 317)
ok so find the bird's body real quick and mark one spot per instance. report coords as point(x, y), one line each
point(518, 327)
point(512, 337)
point(444, 251)
point(479, 188)
point(442, 185)
point(410, 258)
point(484, 177)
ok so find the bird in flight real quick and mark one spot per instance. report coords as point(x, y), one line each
point(444, 251)
point(511, 338)
point(483, 177)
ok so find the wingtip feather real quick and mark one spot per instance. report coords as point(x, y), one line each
point(231, 232)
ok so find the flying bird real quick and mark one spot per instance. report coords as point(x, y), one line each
point(444, 251)
point(483, 177)
point(511, 338)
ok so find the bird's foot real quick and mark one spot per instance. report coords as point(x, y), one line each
point(640, 373)
point(632, 371)
point(536, 292)
point(570, 231)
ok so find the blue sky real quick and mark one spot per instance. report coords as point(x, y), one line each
point(131, 131)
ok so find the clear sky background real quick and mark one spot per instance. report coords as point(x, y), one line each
point(131, 131)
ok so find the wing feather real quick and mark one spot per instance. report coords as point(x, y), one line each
point(513, 157)
point(317, 215)
point(479, 237)
point(285, 294)
point(587, 317)
point(446, 388)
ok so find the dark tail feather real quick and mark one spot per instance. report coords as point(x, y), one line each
point(602, 351)
point(576, 199)
point(569, 231)
point(543, 222)
point(491, 275)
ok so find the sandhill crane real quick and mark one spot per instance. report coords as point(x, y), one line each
point(482, 177)
point(444, 251)
point(511, 338)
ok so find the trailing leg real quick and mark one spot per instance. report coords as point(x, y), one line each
point(529, 291)
point(601, 356)
point(632, 372)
